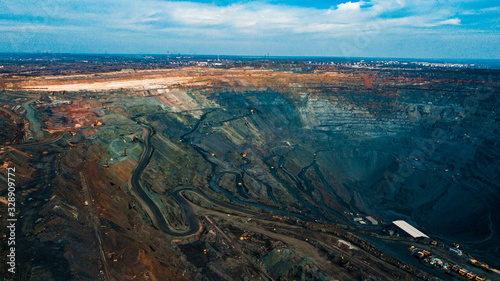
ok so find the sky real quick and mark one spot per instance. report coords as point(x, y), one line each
point(461, 29)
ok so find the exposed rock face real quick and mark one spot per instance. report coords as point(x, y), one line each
point(339, 117)
point(424, 156)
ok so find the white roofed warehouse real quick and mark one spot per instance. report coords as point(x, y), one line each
point(409, 229)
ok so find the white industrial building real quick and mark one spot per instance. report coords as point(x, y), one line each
point(408, 229)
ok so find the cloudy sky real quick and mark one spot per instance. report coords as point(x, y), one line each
point(371, 28)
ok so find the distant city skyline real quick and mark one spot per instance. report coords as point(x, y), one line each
point(464, 29)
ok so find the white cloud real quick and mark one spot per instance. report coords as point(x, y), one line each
point(247, 17)
point(455, 21)
point(349, 6)
point(260, 17)
point(481, 11)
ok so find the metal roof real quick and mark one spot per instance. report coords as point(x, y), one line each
point(410, 230)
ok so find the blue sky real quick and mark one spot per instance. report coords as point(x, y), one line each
point(372, 28)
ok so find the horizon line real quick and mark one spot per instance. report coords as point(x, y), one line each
point(241, 56)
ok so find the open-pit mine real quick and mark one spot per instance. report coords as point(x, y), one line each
point(248, 170)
